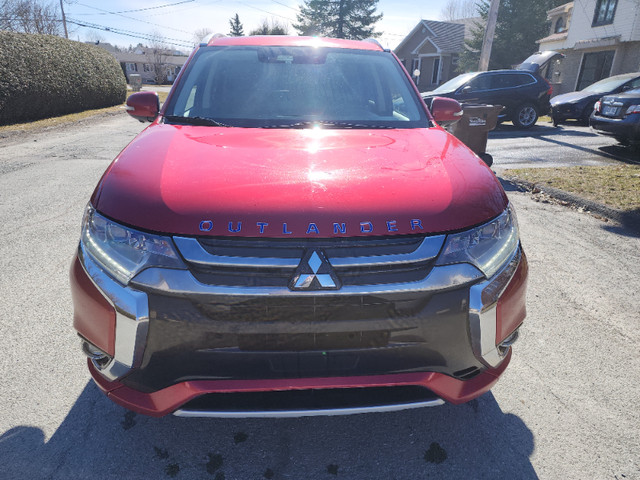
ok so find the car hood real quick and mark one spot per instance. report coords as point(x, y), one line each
point(573, 97)
point(430, 94)
point(193, 180)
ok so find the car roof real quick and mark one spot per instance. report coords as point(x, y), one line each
point(634, 93)
point(623, 75)
point(293, 41)
point(506, 71)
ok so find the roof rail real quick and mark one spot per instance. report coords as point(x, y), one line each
point(374, 41)
point(205, 41)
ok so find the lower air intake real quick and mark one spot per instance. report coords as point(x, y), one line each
point(298, 403)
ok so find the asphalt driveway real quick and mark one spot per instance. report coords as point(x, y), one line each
point(568, 406)
point(547, 146)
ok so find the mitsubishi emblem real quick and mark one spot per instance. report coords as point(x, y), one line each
point(314, 273)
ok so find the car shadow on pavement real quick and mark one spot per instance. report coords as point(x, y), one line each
point(625, 153)
point(629, 224)
point(539, 130)
point(599, 151)
point(101, 440)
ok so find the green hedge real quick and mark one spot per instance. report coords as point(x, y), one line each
point(45, 76)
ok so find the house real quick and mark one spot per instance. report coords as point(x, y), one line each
point(147, 64)
point(432, 48)
point(153, 65)
point(599, 38)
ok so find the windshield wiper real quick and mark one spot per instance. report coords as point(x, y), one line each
point(202, 121)
point(326, 124)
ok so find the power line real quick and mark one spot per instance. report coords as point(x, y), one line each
point(191, 7)
point(136, 10)
point(106, 12)
point(284, 5)
point(128, 33)
point(266, 11)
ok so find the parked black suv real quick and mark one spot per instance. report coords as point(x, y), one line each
point(523, 92)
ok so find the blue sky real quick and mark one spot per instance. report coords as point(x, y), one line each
point(177, 20)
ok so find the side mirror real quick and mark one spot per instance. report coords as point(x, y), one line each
point(143, 106)
point(467, 89)
point(446, 111)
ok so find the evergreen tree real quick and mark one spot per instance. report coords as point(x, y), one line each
point(237, 30)
point(273, 28)
point(520, 24)
point(353, 19)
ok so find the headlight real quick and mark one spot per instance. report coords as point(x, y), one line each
point(488, 246)
point(122, 251)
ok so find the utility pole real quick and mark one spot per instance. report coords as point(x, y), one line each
point(487, 42)
point(64, 21)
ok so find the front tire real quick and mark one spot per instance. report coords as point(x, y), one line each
point(525, 116)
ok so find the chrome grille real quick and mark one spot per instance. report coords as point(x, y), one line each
point(273, 262)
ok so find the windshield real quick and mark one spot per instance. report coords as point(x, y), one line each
point(295, 87)
point(607, 85)
point(454, 83)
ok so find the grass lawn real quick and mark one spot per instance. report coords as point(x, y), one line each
point(616, 186)
point(70, 118)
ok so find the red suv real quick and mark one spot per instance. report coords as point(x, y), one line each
point(294, 234)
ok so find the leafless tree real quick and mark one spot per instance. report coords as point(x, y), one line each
point(457, 9)
point(200, 34)
point(94, 36)
point(30, 16)
point(158, 52)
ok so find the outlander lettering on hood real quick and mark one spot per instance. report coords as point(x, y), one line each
point(312, 228)
point(294, 234)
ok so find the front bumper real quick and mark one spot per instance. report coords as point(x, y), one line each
point(440, 337)
point(171, 399)
point(563, 112)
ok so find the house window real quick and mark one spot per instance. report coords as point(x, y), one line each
point(148, 67)
point(595, 66)
point(605, 11)
point(436, 71)
point(132, 67)
point(559, 26)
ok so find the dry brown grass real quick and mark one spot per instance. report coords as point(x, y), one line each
point(67, 119)
point(616, 186)
point(56, 121)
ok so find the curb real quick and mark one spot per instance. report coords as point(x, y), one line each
point(629, 220)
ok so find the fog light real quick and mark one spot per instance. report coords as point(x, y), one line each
point(99, 358)
point(504, 346)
